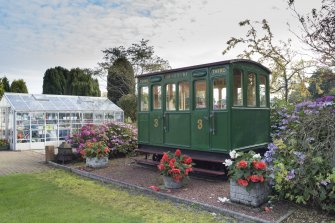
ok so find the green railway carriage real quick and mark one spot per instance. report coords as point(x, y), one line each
point(205, 110)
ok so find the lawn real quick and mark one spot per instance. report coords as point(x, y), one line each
point(59, 196)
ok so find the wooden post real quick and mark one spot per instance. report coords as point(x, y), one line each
point(49, 153)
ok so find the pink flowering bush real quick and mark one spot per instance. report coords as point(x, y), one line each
point(119, 137)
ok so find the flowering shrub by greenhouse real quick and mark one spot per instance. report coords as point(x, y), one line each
point(302, 155)
point(119, 137)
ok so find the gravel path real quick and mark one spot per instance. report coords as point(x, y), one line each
point(200, 190)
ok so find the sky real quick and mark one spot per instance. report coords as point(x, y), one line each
point(39, 34)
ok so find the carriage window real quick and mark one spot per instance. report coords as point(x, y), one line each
point(219, 94)
point(184, 96)
point(200, 94)
point(251, 90)
point(157, 97)
point(262, 91)
point(171, 97)
point(144, 98)
point(238, 88)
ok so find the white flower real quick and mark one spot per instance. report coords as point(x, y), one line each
point(233, 154)
point(228, 162)
point(256, 156)
point(223, 199)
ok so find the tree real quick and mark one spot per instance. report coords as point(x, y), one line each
point(141, 56)
point(19, 86)
point(54, 80)
point(128, 104)
point(80, 82)
point(322, 83)
point(282, 60)
point(5, 83)
point(120, 79)
point(77, 81)
point(318, 30)
point(2, 90)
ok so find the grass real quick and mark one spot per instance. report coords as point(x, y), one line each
point(59, 196)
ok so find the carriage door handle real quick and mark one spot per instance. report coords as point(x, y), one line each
point(212, 116)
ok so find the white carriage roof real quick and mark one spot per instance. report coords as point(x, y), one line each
point(44, 102)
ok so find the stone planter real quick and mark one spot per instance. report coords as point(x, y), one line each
point(5, 147)
point(171, 184)
point(96, 162)
point(255, 197)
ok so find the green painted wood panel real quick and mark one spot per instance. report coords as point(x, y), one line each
point(200, 130)
point(156, 128)
point(143, 127)
point(177, 132)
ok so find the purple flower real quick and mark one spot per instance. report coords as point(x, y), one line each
point(94, 140)
point(301, 157)
point(290, 175)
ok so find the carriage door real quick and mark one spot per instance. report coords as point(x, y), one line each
point(200, 116)
point(218, 110)
point(156, 115)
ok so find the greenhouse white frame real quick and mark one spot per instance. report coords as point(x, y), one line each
point(32, 121)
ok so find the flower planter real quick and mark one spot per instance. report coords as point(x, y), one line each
point(255, 197)
point(5, 147)
point(171, 184)
point(95, 162)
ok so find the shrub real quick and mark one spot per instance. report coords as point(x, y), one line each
point(129, 106)
point(119, 137)
point(301, 156)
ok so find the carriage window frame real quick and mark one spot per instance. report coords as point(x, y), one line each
point(225, 84)
point(235, 94)
point(195, 94)
point(187, 103)
point(252, 101)
point(142, 97)
point(174, 97)
point(265, 91)
point(160, 98)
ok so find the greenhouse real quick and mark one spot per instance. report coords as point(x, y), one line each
point(32, 121)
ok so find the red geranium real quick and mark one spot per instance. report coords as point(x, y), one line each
point(242, 182)
point(178, 152)
point(175, 165)
point(242, 164)
point(254, 178)
point(260, 165)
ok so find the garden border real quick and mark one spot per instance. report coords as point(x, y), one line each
point(172, 198)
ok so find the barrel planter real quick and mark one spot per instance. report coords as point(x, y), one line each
point(95, 162)
point(256, 196)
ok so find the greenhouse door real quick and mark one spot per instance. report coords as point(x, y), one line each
point(218, 113)
point(200, 116)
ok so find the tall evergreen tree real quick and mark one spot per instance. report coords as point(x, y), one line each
point(120, 79)
point(5, 83)
point(54, 80)
point(19, 86)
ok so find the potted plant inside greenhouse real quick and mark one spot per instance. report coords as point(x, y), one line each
point(96, 154)
point(4, 145)
point(175, 168)
point(248, 183)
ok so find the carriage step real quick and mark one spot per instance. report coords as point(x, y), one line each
point(200, 156)
point(195, 170)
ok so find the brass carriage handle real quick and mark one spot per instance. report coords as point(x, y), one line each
point(212, 116)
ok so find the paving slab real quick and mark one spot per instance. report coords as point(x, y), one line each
point(31, 161)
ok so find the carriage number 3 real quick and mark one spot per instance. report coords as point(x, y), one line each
point(199, 123)
point(155, 122)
